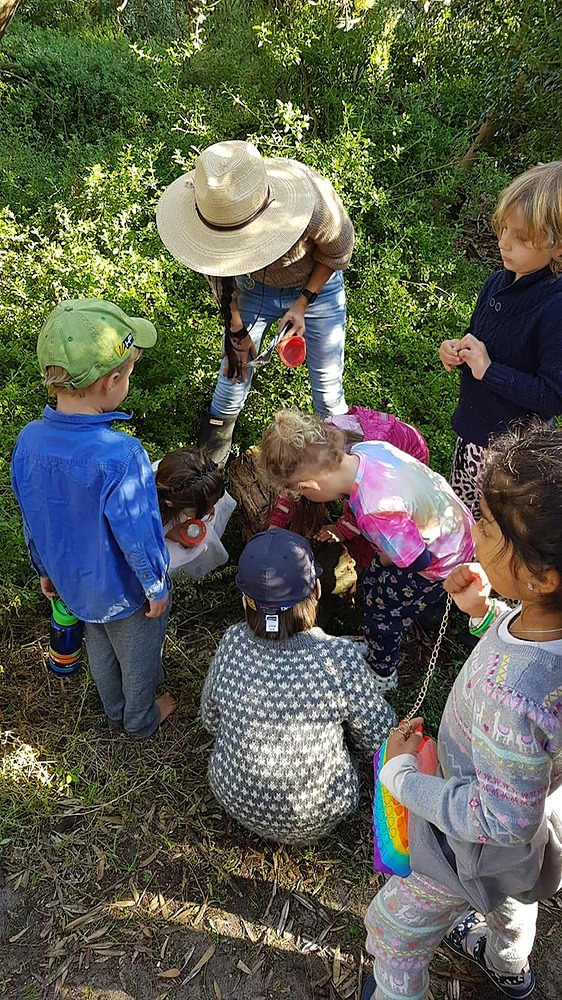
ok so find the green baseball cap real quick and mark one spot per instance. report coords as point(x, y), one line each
point(90, 338)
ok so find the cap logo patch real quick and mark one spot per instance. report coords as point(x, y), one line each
point(124, 346)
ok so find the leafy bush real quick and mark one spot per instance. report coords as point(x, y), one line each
point(102, 108)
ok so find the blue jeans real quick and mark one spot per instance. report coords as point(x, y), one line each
point(260, 307)
point(125, 658)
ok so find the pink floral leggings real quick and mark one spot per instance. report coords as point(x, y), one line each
point(408, 918)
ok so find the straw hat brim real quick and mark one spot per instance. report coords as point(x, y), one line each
point(222, 253)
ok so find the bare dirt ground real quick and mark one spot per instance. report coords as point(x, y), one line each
point(123, 880)
point(262, 943)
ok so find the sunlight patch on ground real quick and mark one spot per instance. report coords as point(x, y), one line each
point(21, 762)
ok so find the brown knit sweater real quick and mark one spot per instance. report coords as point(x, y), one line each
point(328, 239)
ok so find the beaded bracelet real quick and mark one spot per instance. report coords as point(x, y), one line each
point(483, 623)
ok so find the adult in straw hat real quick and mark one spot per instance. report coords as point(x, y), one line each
point(272, 237)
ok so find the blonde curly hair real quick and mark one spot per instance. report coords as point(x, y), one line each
point(298, 442)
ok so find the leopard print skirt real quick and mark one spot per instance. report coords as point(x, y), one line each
point(467, 461)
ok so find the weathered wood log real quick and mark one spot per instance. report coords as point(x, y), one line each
point(7, 10)
point(482, 140)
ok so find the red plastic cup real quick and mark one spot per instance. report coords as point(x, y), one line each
point(292, 351)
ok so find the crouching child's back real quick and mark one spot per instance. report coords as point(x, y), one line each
point(280, 698)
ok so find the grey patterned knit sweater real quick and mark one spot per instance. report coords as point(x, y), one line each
point(280, 713)
point(498, 796)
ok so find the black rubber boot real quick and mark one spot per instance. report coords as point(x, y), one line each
point(215, 435)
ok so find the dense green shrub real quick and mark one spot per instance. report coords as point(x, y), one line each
point(103, 107)
point(167, 18)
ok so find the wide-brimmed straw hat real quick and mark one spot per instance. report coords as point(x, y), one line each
point(236, 212)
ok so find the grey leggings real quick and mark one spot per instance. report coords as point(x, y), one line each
point(408, 918)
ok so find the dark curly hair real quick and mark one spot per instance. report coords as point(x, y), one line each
point(187, 478)
point(521, 482)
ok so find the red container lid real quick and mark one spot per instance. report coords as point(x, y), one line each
point(192, 532)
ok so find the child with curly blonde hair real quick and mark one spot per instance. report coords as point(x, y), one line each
point(409, 513)
point(358, 424)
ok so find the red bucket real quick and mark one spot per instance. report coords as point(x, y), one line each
point(191, 532)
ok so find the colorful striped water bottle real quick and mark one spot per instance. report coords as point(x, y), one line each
point(65, 640)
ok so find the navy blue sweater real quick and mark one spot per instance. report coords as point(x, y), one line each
point(520, 322)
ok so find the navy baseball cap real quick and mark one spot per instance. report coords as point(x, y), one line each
point(276, 570)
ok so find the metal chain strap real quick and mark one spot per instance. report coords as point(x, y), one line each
point(431, 665)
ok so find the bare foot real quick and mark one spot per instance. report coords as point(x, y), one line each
point(167, 705)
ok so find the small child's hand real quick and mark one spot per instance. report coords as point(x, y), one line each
point(48, 588)
point(174, 534)
point(473, 352)
point(470, 588)
point(329, 533)
point(449, 354)
point(399, 742)
point(157, 608)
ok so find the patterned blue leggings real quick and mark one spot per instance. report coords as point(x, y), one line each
point(392, 599)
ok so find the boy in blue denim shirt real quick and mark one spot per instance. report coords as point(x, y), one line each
point(90, 509)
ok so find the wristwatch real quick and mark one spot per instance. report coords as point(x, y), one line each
point(309, 296)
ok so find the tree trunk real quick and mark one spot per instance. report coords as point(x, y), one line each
point(7, 10)
point(483, 140)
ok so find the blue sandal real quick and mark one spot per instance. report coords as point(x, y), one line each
point(516, 985)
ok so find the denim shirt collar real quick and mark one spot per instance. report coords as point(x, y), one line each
point(49, 413)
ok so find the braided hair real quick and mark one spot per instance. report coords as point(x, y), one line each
point(187, 477)
point(227, 286)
